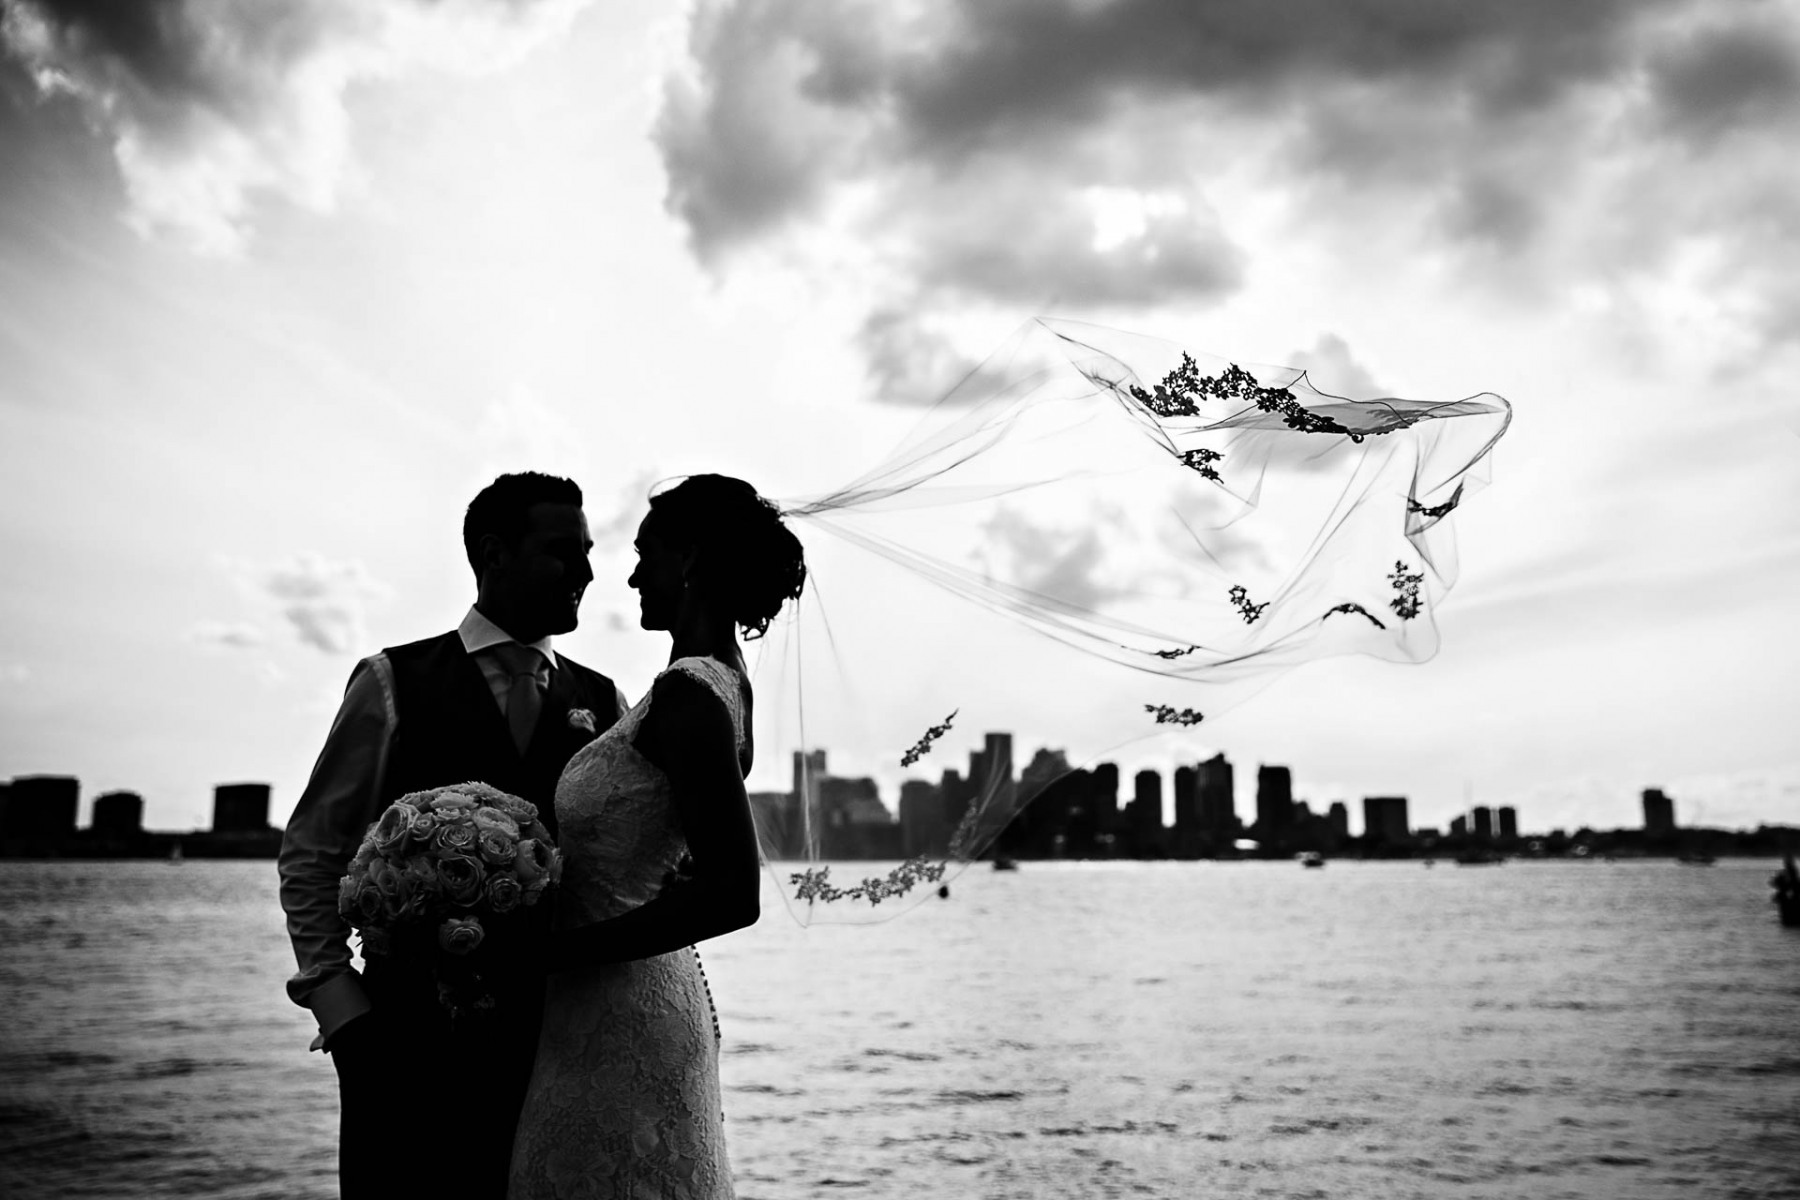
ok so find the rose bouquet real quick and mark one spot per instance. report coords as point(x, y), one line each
point(442, 871)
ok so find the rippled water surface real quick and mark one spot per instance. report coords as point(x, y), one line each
point(1083, 1030)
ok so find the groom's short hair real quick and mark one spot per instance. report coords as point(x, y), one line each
point(503, 508)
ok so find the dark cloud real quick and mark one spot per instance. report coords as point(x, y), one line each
point(209, 105)
point(744, 147)
point(909, 363)
point(959, 146)
point(1727, 78)
point(1030, 67)
point(1070, 565)
point(1487, 209)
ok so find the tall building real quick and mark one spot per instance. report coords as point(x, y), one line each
point(119, 813)
point(1459, 827)
point(1187, 812)
point(991, 771)
point(1106, 797)
point(1045, 768)
point(1145, 815)
point(1509, 822)
point(959, 795)
point(1484, 823)
point(1659, 812)
point(1385, 820)
point(808, 765)
point(1274, 805)
point(241, 808)
point(1218, 802)
point(1338, 817)
point(853, 822)
point(778, 825)
point(42, 807)
point(922, 826)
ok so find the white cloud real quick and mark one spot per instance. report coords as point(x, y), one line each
point(230, 635)
point(522, 433)
point(1331, 368)
point(212, 105)
point(614, 523)
point(321, 600)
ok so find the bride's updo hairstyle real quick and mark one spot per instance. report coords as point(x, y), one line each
point(747, 561)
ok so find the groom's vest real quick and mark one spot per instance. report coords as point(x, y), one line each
point(449, 729)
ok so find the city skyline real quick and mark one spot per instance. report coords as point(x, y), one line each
point(1065, 813)
point(1244, 792)
point(1272, 784)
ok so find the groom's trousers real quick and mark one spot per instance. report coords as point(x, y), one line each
point(428, 1106)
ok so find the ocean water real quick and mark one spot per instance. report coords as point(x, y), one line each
point(1378, 1030)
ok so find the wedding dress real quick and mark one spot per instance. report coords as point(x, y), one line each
point(624, 1097)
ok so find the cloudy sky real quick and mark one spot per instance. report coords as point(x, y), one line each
point(284, 284)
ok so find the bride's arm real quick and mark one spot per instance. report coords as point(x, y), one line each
point(689, 735)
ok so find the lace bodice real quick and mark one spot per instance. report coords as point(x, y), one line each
point(624, 1097)
point(618, 824)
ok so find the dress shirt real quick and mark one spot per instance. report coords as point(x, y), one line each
point(480, 634)
point(341, 798)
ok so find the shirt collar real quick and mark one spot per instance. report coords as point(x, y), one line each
point(478, 634)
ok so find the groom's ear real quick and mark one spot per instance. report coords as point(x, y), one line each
point(493, 552)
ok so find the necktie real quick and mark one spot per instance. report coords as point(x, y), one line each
point(525, 695)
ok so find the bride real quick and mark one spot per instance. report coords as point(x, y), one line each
point(660, 852)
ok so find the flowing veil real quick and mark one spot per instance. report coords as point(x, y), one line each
point(1093, 543)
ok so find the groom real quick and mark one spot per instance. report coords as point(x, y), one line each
point(422, 1106)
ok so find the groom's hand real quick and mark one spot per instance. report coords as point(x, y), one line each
point(354, 1044)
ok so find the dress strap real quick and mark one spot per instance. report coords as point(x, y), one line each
point(723, 683)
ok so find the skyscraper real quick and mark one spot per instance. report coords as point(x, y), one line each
point(1106, 797)
point(1385, 820)
point(1274, 805)
point(808, 765)
point(119, 813)
point(1218, 802)
point(1145, 813)
point(1509, 822)
point(1659, 812)
point(959, 795)
point(1484, 823)
point(42, 807)
point(1338, 817)
point(1187, 812)
point(996, 774)
point(241, 808)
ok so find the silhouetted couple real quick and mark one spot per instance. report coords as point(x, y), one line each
point(596, 1072)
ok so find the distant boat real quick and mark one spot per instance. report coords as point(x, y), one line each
point(1480, 858)
point(1310, 858)
point(1696, 860)
point(1786, 883)
point(1003, 863)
